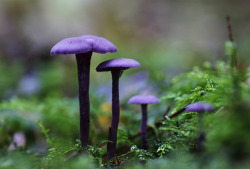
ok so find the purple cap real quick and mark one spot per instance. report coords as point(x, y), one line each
point(83, 44)
point(200, 107)
point(120, 63)
point(143, 99)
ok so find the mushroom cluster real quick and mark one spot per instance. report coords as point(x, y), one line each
point(83, 47)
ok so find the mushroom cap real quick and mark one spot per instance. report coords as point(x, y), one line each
point(83, 44)
point(143, 99)
point(119, 63)
point(200, 107)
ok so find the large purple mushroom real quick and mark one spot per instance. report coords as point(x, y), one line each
point(116, 66)
point(83, 47)
point(144, 100)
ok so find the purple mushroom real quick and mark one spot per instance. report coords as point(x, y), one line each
point(83, 47)
point(116, 66)
point(143, 100)
point(200, 108)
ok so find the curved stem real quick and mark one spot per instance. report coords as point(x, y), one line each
point(83, 67)
point(115, 114)
point(144, 126)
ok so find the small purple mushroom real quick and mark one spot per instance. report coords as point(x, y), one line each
point(144, 100)
point(83, 47)
point(116, 66)
point(200, 108)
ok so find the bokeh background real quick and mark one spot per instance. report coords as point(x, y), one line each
point(163, 35)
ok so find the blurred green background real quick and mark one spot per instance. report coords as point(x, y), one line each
point(163, 35)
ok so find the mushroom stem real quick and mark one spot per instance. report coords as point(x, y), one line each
point(202, 136)
point(83, 67)
point(111, 148)
point(200, 141)
point(144, 126)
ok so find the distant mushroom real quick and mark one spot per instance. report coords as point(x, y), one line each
point(19, 140)
point(116, 66)
point(83, 47)
point(143, 100)
point(200, 108)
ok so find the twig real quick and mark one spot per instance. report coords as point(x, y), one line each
point(124, 155)
point(229, 28)
point(177, 112)
point(217, 112)
point(163, 117)
point(232, 54)
point(105, 159)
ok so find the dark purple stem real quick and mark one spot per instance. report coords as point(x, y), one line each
point(115, 114)
point(144, 126)
point(202, 136)
point(200, 141)
point(83, 67)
